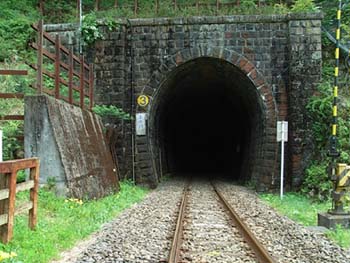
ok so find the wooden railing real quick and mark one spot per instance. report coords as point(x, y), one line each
point(9, 188)
point(71, 76)
point(12, 95)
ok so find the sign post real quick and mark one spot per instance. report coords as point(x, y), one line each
point(141, 125)
point(282, 136)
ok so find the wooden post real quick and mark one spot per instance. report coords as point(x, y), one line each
point(11, 207)
point(4, 204)
point(34, 175)
point(91, 85)
point(39, 77)
point(135, 7)
point(70, 75)
point(78, 9)
point(97, 5)
point(41, 7)
point(157, 6)
point(57, 66)
point(82, 82)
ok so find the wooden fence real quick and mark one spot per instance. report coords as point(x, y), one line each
point(12, 95)
point(9, 188)
point(71, 76)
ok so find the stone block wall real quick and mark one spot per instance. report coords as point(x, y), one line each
point(281, 54)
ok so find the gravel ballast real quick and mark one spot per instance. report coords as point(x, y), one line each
point(143, 233)
point(286, 240)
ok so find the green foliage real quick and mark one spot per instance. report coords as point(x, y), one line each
point(10, 143)
point(297, 207)
point(304, 211)
point(15, 28)
point(62, 222)
point(11, 129)
point(21, 176)
point(248, 4)
point(304, 6)
point(340, 235)
point(111, 111)
point(90, 29)
point(316, 182)
point(59, 11)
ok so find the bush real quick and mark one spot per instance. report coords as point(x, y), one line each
point(316, 182)
point(111, 111)
point(304, 6)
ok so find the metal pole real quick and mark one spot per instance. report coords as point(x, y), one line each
point(333, 141)
point(0, 145)
point(282, 160)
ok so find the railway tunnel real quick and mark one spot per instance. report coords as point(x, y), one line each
point(207, 119)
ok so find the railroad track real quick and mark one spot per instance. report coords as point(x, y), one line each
point(209, 230)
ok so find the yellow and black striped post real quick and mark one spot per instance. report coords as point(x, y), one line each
point(333, 151)
point(338, 190)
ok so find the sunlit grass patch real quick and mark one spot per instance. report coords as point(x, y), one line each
point(62, 222)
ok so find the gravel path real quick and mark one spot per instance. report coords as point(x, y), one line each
point(285, 239)
point(209, 235)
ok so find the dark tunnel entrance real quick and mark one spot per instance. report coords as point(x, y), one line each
point(206, 120)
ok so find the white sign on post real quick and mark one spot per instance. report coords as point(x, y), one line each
point(141, 126)
point(0, 145)
point(282, 131)
point(282, 136)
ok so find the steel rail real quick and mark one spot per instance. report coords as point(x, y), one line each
point(261, 253)
point(174, 256)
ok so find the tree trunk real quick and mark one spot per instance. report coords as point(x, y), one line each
point(97, 5)
point(41, 7)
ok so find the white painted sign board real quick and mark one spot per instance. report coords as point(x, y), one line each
point(282, 131)
point(141, 126)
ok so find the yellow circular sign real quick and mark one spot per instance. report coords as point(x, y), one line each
point(142, 100)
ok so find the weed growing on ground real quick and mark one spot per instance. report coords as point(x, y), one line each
point(304, 210)
point(62, 222)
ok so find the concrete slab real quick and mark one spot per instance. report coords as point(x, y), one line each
point(330, 221)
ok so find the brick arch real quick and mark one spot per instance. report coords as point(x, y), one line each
point(234, 58)
point(265, 167)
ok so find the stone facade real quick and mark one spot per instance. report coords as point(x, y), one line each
point(279, 54)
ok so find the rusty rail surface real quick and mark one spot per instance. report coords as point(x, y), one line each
point(79, 76)
point(8, 190)
point(12, 72)
point(260, 251)
point(174, 255)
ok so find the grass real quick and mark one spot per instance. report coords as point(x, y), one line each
point(304, 211)
point(62, 222)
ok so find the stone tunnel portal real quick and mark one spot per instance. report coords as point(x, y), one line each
point(207, 119)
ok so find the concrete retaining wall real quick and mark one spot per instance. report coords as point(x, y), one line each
point(71, 147)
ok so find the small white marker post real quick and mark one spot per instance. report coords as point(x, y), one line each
point(0, 145)
point(282, 136)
